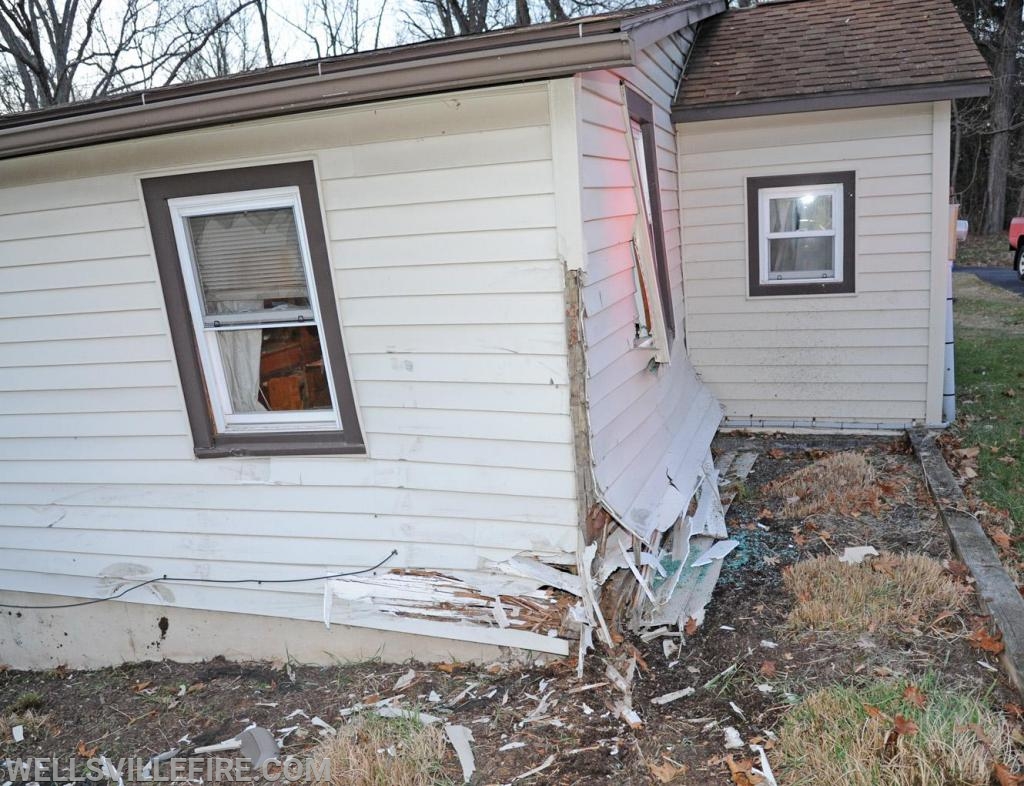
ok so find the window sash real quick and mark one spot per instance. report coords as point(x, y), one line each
point(226, 420)
point(765, 197)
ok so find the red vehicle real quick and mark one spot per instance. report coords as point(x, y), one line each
point(1017, 245)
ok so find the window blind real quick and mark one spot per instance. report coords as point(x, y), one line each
point(247, 256)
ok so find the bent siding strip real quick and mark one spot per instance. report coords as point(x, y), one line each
point(439, 215)
point(650, 428)
point(861, 358)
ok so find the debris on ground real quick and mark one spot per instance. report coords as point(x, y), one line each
point(660, 706)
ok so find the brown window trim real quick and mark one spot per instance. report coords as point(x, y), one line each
point(208, 442)
point(848, 284)
point(641, 111)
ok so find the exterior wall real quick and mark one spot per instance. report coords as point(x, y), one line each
point(641, 420)
point(839, 360)
point(440, 217)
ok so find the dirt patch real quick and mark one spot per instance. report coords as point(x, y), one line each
point(746, 666)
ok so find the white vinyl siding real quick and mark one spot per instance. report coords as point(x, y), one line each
point(838, 359)
point(440, 220)
point(643, 423)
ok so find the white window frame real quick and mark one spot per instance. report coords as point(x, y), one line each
point(764, 197)
point(228, 421)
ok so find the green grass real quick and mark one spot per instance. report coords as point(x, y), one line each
point(841, 734)
point(989, 368)
point(984, 251)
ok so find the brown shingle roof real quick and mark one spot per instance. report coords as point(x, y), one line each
point(820, 54)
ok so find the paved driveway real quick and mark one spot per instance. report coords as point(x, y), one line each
point(1004, 277)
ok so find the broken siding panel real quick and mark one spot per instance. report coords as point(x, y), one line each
point(447, 278)
point(885, 324)
point(642, 423)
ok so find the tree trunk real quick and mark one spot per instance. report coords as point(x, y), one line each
point(1004, 84)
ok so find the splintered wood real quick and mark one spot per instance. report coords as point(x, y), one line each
point(430, 595)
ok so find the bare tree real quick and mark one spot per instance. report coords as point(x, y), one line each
point(444, 18)
point(54, 52)
point(1003, 102)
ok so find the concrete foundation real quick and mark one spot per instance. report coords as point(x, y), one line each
point(108, 634)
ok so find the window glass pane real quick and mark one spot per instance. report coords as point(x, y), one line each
point(274, 370)
point(249, 263)
point(801, 257)
point(808, 212)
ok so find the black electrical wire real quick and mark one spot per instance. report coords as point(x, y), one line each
point(165, 577)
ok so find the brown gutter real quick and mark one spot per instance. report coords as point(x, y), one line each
point(316, 86)
point(910, 94)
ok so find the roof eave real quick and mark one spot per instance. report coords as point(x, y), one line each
point(908, 94)
point(518, 61)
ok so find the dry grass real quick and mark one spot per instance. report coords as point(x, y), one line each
point(840, 483)
point(374, 751)
point(35, 723)
point(889, 590)
point(846, 735)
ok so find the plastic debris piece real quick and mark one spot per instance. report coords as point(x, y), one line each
point(766, 768)
point(511, 746)
point(732, 738)
point(110, 772)
point(737, 710)
point(405, 680)
point(529, 773)
point(673, 696)
point(295, 713)
point(854, 555)
point(434, 697)
point(324, 726)
point(18, 732)
point(397, 712)
point(460, 737)
point(720, 550)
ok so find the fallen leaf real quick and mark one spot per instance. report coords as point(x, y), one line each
point(691, 626)
point(1016, 710)
point(981, 639)
point(1010, 393)
point(957, 569)
point(777, 453)
point(765, 515)
point(968, 453)
point(666, 772)
point(905, 726)
point(874, 712)
point(138, 687)
point(885, 564)
point(768, 668)
point(1001, 538)
point(447, 667)
point(913, 695)
point(742, 772)
point(85, 753)
point(1004, 777)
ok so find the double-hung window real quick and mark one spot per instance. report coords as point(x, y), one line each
point(801, 234)
point(655, 323)
point(243, 261)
